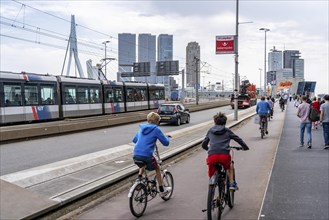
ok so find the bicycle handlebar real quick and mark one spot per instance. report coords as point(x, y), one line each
point(236, 148)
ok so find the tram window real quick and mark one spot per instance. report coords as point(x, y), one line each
point(161, 94)
point(69, 95)
point(83, 95)
point(109, 95)
point(155, 94)
point(117, 94)
point(131, 93)
point(31, 95)
point(47, 95)
point(94, 95)
point(142, 96)
point(12, 94)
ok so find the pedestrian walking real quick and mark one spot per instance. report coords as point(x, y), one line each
point(324, 118)
point(297, 101)
point(316, 105)
point(271, 106)
point(303, 112)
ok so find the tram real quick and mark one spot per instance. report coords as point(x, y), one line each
point(30, 97)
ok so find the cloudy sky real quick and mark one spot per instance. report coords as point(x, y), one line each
point(33, 37)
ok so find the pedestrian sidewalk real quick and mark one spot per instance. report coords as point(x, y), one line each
point(299, 184)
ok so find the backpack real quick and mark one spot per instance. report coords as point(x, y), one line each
point(313, 115)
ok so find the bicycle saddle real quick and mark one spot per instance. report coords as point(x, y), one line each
point(140, 163)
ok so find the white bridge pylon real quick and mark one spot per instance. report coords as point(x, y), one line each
point(73, 43)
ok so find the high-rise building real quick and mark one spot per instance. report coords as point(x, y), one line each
point(291, 59)
point(147, 53)
point(165, 47)
point(298, 70)
point(289, 56)
point(165, 53)
point(192, 58)
point(274, 60)
point(127, 54)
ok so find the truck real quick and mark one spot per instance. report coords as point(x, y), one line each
point(247, 96)
point(175, 95)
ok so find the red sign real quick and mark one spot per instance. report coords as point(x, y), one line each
point(225, 44)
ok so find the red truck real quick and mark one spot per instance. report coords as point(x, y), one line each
point(247, 97)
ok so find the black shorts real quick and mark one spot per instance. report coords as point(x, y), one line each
point(151, 162)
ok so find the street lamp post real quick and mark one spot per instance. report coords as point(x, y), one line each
point(265, 30)
point(105, 42)
point(260, 80)
point(236, 60)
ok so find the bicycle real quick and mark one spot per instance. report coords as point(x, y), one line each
point(219, 193)
point(144, 190)
point(262, 125)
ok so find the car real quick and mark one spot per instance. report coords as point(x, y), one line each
point(174, 113)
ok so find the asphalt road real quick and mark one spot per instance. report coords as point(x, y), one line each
point(32, 153)
point(253, 169)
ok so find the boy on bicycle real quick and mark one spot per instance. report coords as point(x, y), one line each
point(145, 141)
point(263, 109)
point(218, 138)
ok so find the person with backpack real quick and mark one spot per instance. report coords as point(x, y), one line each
point(303, 112)
point(316, 105)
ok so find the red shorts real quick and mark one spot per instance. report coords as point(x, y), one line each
point(225, 159)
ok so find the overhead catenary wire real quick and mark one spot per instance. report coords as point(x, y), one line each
point(63, 37)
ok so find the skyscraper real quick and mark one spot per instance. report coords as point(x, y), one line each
point(165, 53)
point(192, 52)
point(274, 60)
point(274, 64)
point(289, 56)
point(147, 53)
point(127, 54)
point(291, 59)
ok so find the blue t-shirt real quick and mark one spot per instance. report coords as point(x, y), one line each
point(146, 138)
point(263, 108)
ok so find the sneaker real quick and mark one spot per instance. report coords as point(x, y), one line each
point(309, 146)
point(301, 145)
point(266, 132)
point(166, 191)
point(326, 147)
point(233, 186)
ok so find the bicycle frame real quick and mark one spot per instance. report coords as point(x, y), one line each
point(144, 189)
point(263, 122)
point(225, 197)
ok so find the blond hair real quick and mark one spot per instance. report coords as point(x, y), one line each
point(153, 118)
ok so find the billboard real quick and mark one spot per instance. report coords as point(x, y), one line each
point(166, 68)
point(225, 44)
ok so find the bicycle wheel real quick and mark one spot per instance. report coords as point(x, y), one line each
point(168, 181)
point(138, 200)
point(215, 202)
point(230, 193)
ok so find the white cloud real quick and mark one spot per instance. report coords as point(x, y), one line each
point(293, 25)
